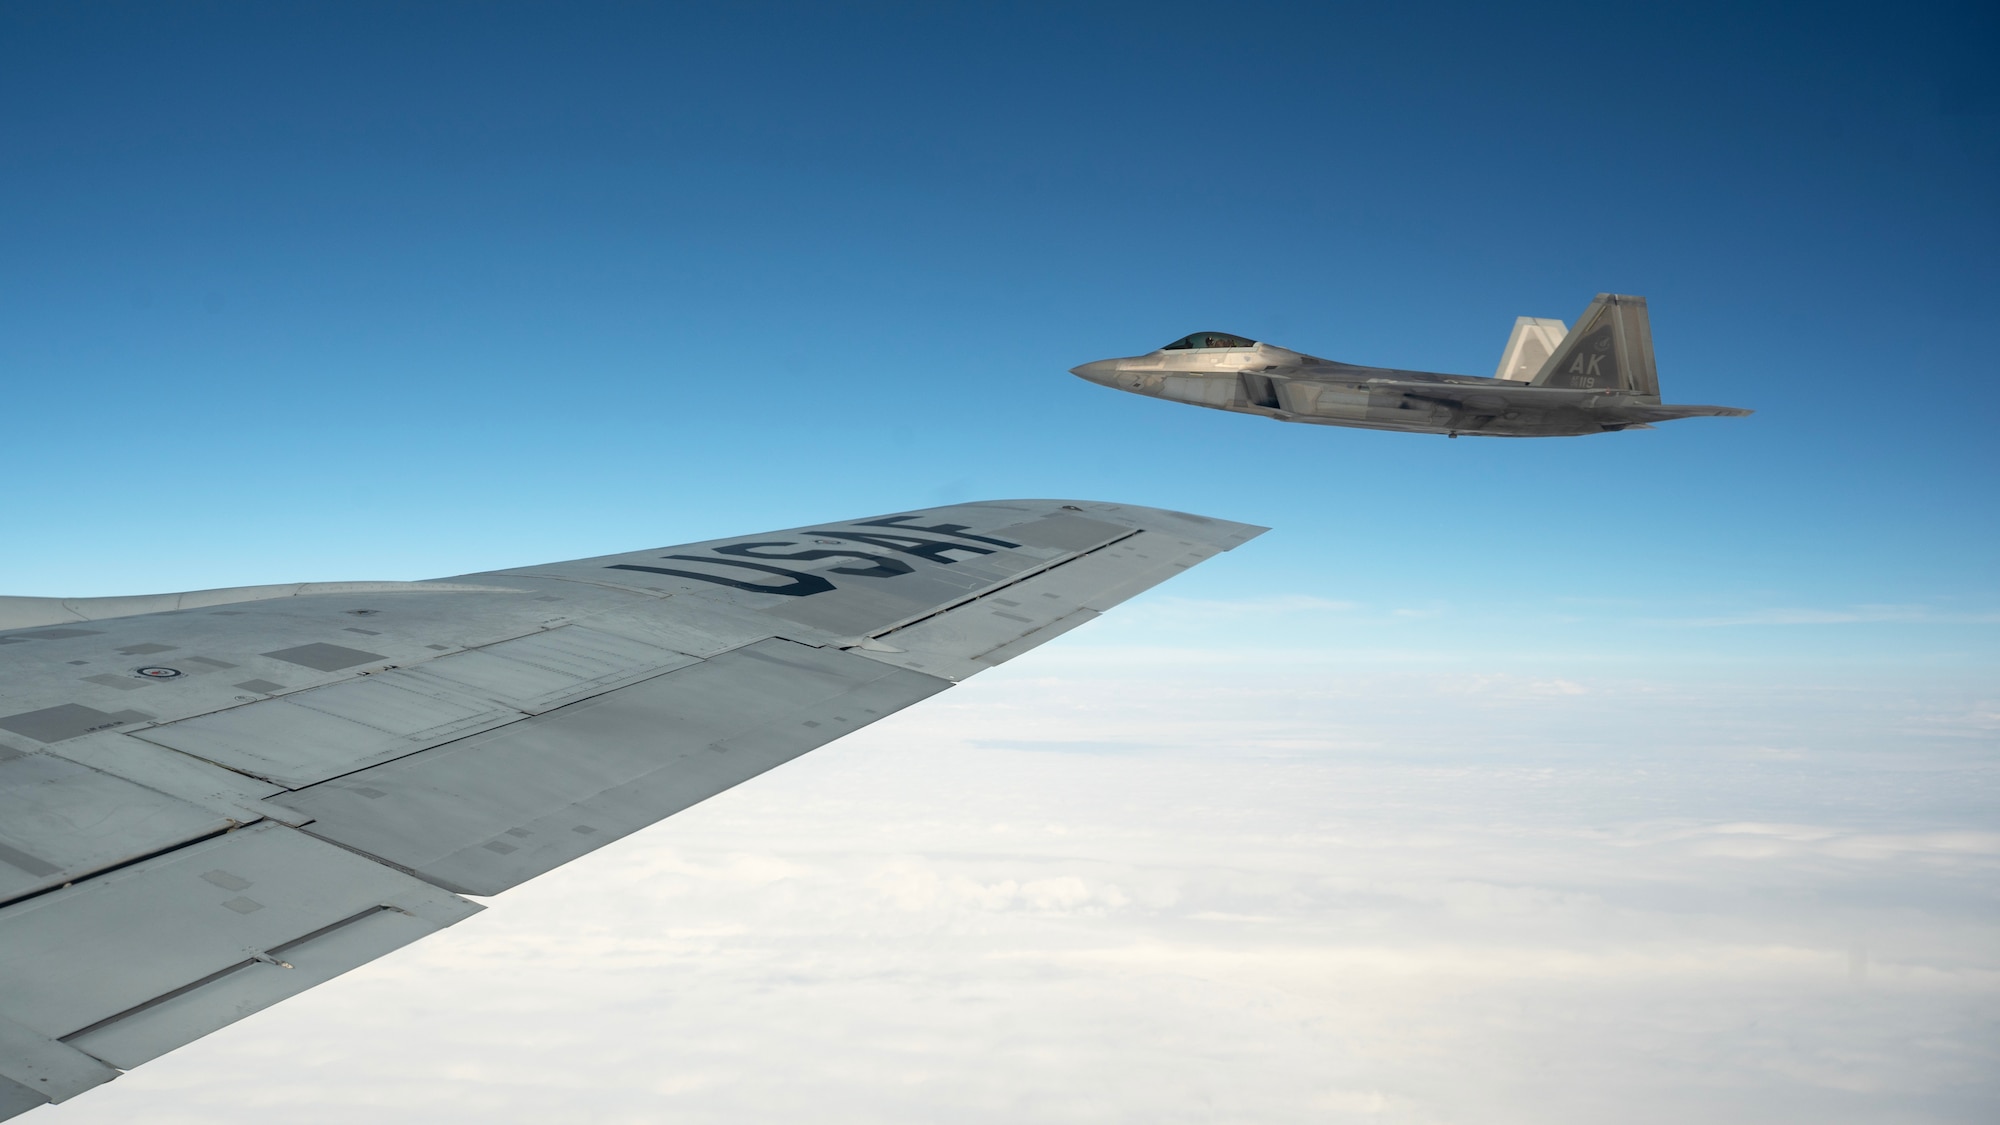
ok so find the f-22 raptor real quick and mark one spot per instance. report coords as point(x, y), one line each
point(1551, 382)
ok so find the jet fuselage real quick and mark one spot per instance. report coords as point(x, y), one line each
point(1596, 380)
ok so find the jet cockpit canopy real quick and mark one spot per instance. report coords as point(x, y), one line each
point(1208, 340)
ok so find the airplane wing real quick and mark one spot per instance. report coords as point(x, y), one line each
point(1502, 395)
point(225, 798)
point(1667, 412)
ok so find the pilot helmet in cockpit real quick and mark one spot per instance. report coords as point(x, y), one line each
point(1208, 340)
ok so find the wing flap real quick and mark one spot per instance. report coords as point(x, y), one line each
point(495, 810)
point(36, 1070)
point(60, 822)
point(132, 963)
point(252, 985)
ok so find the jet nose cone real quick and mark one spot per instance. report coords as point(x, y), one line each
point(1101, 371)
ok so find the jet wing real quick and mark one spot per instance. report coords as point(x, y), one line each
point(1492, 395)
point(207, 809)
point(1487, 393)
point(1667, 412)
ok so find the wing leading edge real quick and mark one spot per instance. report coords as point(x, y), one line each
point(208, 809)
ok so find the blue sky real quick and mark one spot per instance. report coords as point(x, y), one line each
point(356, 291)
point(405, 290)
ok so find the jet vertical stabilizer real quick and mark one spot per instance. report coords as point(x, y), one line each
point(1534, 340)
point(1611, 348)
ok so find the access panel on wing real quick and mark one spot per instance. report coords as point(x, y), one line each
point(309, 736)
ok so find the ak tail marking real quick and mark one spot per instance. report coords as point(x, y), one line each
point(1611, 349)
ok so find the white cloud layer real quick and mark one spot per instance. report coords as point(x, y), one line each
point(1848, 615)
point(1109, 885)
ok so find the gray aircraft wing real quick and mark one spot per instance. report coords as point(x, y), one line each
point(1667, 412)
point(1490, 394)
point(210, 802)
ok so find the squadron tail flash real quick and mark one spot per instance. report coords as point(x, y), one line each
point(1611, 348)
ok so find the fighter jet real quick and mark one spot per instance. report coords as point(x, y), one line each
point(1551, 382)
point(212, 801)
